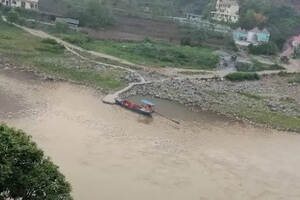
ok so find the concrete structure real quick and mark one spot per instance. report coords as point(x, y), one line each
point(193, 17)
point(26, 4)
point(296, 41)
point(198, 22)
point(254, 36)
point(258, 36)
point(226, 11)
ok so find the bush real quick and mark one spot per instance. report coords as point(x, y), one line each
point(242, 76)
point(62, 27)
point(77, 39)
point(264, 49)
point(13, 17)
point(50, 45)
point(92, 13)
point(49, 41)
point(25, 172)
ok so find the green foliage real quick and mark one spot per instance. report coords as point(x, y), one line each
point(34, 14)
point(25, 172)
point(251, 96)
point(295, 79)
point(257, 66)
point(50, 45)
point(50, 57)
point(282, 20)
point(13, 17)
point(49, 41)
point(275, 120)
point(158, 53)
point(93, 13)
point(77, 39)
point(243, 76)
point(269, 48)
point(61, 27)
point(192, 36)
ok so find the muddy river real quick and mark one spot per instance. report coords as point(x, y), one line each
point(110, 153)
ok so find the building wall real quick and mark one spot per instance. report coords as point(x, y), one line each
point(226, 10)
point(238, 36)
point(27, 4)
point(263, 37)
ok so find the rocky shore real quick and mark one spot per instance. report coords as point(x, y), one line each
point(272, 96)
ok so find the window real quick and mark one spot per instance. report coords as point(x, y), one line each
point(31, 5)
point(23, 4)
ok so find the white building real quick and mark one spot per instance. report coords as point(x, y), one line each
point(26, 4)
point(226, 11)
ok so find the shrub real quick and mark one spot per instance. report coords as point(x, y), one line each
point(50, 45)
point(242, 76)
point(61, 27)
point(49, 41)
point(77, 39)
point(25, 172)
point(13, 17)
point(264, 49)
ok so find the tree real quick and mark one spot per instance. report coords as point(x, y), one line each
point(61, 27)
point(25, 173)
point(269, 48)
point(94, 14)
point(13, 16)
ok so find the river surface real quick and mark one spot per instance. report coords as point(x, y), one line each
point(110, 153)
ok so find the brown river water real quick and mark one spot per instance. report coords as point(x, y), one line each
point(110, 153)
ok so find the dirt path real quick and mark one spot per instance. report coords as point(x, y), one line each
point(170, 72)
point(109, 153)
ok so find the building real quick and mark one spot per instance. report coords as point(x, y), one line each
point(257, 36)
point(254, 36)
point(296, 41)
point(240, 34)
point(26, 4)
point(194, 17)
point(226, 11)
point(198, 21)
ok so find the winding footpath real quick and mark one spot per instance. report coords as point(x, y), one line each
point(294, 66)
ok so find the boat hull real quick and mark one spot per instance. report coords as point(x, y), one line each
point(139, 111)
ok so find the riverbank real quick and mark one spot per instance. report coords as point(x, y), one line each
point(276, 108)
point(273, 101)
point(122, 155)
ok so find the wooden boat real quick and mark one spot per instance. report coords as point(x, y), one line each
point(146, 109)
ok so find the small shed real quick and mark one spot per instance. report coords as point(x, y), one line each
point(73, 23)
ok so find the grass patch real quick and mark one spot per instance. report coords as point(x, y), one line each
point(272, 119)
point(295, 79)
point(242, 76)
point(159, 54)
point(257, 66)
point(50, 45)
point(148, 52)
point(82, 75)
point(48, 56)
point(250, 95)
point(193, 73)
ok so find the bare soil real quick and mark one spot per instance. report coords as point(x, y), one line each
point(137, 29)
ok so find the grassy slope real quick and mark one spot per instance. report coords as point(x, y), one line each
point(151, 53)
point(254, 107)
point(28, 50)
